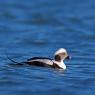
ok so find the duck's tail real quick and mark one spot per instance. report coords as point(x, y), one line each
point(17, 63)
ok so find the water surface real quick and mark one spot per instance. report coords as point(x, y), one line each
point(31, 28)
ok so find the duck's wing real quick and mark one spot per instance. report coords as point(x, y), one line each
point(34, 58)
point(39, 61)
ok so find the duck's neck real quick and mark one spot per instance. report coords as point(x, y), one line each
point(60, 64)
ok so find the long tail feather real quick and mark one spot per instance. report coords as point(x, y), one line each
point(18, 63)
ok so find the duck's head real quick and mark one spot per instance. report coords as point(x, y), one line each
point(61, 54)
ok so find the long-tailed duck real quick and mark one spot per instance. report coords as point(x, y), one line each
point(59, 56)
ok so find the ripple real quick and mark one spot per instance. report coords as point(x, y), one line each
point(39, 42)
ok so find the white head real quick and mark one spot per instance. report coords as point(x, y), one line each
point(61, 54)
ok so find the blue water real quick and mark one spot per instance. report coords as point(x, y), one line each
point(31, 28)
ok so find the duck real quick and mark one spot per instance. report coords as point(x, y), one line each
point(57, 62)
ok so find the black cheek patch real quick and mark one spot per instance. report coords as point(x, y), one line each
point(57, 58)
